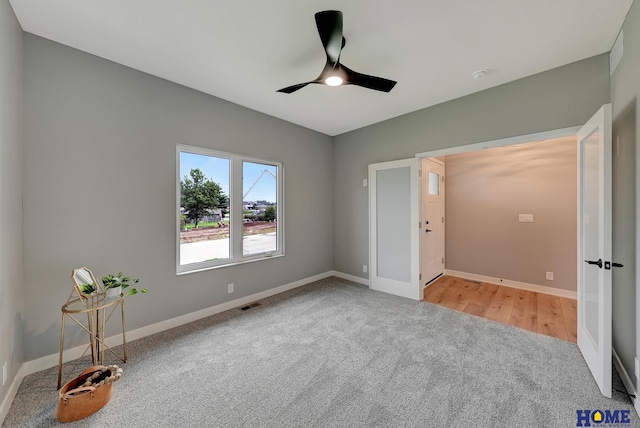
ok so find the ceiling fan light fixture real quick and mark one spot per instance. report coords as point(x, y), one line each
point(329, 23)
point(334, 81)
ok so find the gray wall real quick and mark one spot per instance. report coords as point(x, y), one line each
point(11, 267)
point(100, 148)
point(624, 221)
point(625, 90)
point(562, 97)
point(485, 192)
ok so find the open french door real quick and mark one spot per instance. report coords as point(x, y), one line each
point(394, 234)
point(594, 246)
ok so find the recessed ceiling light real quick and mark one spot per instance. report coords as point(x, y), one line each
point(478, 74)
point(333, 81)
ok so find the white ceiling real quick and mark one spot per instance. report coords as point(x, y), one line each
point(244, 50)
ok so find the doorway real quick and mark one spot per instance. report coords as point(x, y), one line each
point(510, 216)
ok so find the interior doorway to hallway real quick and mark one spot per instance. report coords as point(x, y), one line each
point(509, 216)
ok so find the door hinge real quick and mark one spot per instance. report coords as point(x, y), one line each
point(443, 219)
point(443, 260)
point(419, 173)
point(443, 178)
point(419, 225)
point(420, 277)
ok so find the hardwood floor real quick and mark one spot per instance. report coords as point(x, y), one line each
point(537, 312)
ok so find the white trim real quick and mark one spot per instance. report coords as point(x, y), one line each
point(11, 394)
point(626, 379)
point(48, 361)
point(509, 141)
point(348, 277)
point(513, 284)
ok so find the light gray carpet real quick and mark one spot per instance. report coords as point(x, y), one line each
point(336, 354)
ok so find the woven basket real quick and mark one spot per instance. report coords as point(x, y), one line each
point(76, 401)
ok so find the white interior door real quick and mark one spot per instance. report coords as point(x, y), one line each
point(394, 208)
point(432, 219)
point(594, 246)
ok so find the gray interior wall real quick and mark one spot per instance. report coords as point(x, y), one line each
point(486, 190)
point(100, 149)
point(625, 90)
point(562, 97)
point(11, 267)
point(623, 250)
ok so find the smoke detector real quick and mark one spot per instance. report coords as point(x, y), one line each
point(478, 74)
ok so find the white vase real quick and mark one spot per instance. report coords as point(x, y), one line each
point(113, 292)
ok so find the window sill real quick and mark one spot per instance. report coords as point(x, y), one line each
point(184, 270)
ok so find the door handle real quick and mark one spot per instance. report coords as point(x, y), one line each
point(607, 265)
point(599, 262)
point(428, 230)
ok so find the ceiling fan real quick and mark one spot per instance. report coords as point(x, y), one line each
point(329, 23)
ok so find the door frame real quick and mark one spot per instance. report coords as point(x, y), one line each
point(502, 142)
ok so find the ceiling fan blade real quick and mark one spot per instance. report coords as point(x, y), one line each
point(293, 88)
point(367, 81)
point(329, 23)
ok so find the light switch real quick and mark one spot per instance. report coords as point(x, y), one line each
point(525, 218)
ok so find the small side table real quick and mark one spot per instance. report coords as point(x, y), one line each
point(98, 311)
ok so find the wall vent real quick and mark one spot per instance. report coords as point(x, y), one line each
point(250, 306)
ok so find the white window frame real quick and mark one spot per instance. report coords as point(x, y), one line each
point(236, 256)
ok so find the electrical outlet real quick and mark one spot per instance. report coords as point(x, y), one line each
point(549, 276)
point(4, 373)
point(525, 218)
point(365, 182)
point(636, 365)
point(365, 268)
point(230, 288)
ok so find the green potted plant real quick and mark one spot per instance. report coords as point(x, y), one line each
point(88, 289)
point(118, 284)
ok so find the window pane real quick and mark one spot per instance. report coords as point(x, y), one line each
point(259, 208)
point(434, 183)
point(204, 208)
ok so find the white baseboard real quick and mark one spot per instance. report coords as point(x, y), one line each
point(626, 379)
point(514, 284)
point(48, 361)
point(13, 390)
point(348, 277)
